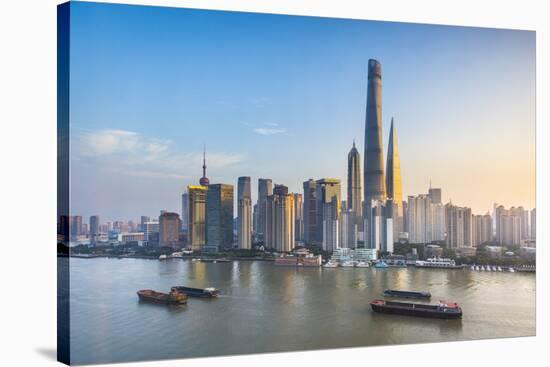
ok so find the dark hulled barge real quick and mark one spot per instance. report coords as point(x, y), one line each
point(172, 298)
point(443, 310)
point(406, 294)
point(197, 292)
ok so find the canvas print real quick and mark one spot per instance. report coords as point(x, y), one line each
point(233, 183)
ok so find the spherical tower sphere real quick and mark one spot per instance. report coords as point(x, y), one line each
point(204, 181)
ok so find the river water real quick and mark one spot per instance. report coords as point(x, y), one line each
point(265, 308)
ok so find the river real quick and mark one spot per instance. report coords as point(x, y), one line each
point(265, 308)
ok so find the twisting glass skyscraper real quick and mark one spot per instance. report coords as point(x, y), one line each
point(374, 184)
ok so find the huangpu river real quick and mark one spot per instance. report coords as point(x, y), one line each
point(266, 308)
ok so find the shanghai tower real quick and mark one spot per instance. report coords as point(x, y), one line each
point(374, 182)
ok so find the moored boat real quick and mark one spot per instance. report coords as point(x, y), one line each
point(438, 263)
point(380, 265)
point(330, 264)
point(172, 298)
point(362, 264)
point(406, 294)
point(443, 310)
point(197, 292)
point(163, 257)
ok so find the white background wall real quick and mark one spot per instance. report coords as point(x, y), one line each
point(28, 174)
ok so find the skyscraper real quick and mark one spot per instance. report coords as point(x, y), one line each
point(244, 213)
point(299, 217)
point(353, 202)
point(144, 219)
point(434, 194)
point(459, 226)
point(394, 188)
point(328, 212)
point(265, 189)
point(196, 229)
point(185, 211)
point(482, 229)
point(169, 229)
point(374, 183)
point(280, 220)
point(310, 212)
point(219, 217)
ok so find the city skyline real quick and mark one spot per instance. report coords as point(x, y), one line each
point(153, 154)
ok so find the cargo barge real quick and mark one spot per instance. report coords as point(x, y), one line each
point(197, 292)
point(442, 310)
point(406, 294)
point(172, 298)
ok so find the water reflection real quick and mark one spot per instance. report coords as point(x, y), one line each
point(277, 308)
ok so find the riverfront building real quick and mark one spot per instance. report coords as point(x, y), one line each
point(310, 212)
point(280, 220)
point(482, 229)
point(459, 226)
point(169, 229)
point(394, 190)
point(265, 189)
point(219, 217)
point(328, 212)
point(299, 217)
point(196, 230)
point(185, 211)
point(353, 202)
point(244, 213)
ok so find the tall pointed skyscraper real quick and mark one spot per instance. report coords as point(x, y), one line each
point(393, 181)
point(373, 183)
point(354, 182)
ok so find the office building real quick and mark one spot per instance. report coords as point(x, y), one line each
point(196, 229)
point(219, 217)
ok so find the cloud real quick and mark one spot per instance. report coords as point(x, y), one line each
point(129, 153)
point(269, 131)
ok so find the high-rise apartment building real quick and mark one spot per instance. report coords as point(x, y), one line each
point(169, 230)
point(280, 230)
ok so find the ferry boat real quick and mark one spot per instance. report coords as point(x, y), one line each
point(330, 264)
point(362, 264)
point(381, 265)
point(172, 298)
point(443, 310)
point(406, 294)
point(197, 292)
point(437, 262)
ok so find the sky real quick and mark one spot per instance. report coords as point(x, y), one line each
point(284, 97)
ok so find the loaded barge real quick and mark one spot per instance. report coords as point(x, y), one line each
point(442, 310)
point(197, 292)
point(172, 298)
point(406, 294)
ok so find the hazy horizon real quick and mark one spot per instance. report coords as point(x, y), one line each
point(283, 97)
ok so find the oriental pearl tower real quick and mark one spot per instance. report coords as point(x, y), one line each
point(204, 181)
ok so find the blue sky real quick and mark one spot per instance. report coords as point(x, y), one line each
point(284, 97)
